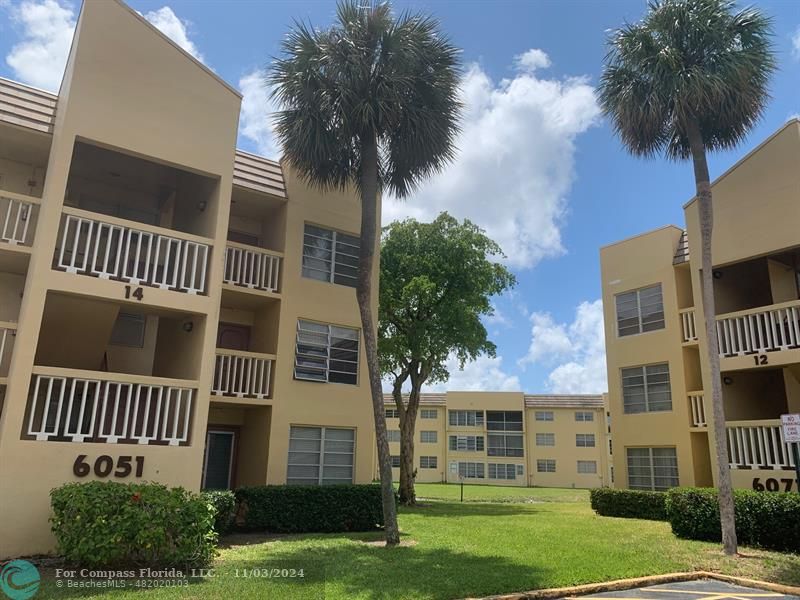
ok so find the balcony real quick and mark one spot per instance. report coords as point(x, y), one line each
point(74, 405)
point(140, 254)
point(8, 331)
point(758, 445)
point(241, 374)
point(697, 409)
point(757, 331)
point(688, 329)
point(18, 214)
point(252, 268)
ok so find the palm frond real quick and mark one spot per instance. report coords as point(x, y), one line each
point(371, 74)
point(687, 60)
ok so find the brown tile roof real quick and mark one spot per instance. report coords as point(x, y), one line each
point(33, 108)
point(563, 401)
point(27, 106)
point(531, 400)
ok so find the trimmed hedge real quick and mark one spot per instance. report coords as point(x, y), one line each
point(110, 524)
point(766, 519)
point(302, 509)
point(631, 504)
point(224, 504)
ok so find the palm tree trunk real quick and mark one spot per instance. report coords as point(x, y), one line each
point(408, 494)
point(366, 261)
point(703, 185)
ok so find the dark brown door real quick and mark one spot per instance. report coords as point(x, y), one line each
point(233, 337)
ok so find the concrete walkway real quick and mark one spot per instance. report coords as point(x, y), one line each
point(702, 589)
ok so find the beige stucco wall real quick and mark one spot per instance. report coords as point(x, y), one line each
point(636, 263)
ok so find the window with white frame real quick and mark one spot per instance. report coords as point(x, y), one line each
point(326, 353)
point(330, 256)
point(640, 311)
point(429, 413)
point(544, 415)
point(471, 470)
point(391, 413)
point(395, 461)
point(428, 462)
point(652, 468)
point(584, 440)
point(546, 465)
point(393, 435)
point(466, 443)
point(466, 418)
point(427, 437)
point(500, 444)
point(504, 420)
point(502, 471)
point(584, 416)
point(587, 466)
point(545, 439)
point(646, 389)
point(320, 455)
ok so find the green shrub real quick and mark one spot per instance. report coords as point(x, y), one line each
point(766, 519)
point(312, 508)
point(115, 524)
point(631, 504)
point(224, 504)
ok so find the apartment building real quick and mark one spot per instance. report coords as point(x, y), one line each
point(656, 343)
point(171, 309)
point(506, 438)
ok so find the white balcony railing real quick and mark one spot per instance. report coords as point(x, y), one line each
point(17, 218)
point(251, 267)
point(767, 329)
point(697, 409)
point(111, 408)
point(242, 374)
point(688, 329)
point(110, 249)
point(7, 332)
point(758, 445)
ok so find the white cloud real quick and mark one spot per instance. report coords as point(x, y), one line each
point(796, 43)
point(531, 60)
point(167, 22)
point(46, 29)
point(515, 163)
point(575, 352)
point(255, 118)
point(484, 373)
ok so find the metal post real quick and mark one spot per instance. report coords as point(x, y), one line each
point(462, 489)
point(796, 446)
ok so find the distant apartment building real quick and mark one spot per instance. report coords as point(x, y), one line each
point(171, 309)
point(506, 438)
point(656, 343)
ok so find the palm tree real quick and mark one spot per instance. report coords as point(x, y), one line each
point(370, 103)
point(692, 77)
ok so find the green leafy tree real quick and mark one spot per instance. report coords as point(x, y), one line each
point(436, 283)
point(690, 78)
point(370, 103)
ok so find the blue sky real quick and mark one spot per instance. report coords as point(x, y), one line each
point(538, 167)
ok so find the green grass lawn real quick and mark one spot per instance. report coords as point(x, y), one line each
point(547, 538)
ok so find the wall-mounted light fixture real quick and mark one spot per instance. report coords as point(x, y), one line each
point(727, 380)
point(201, 206)
point(188, 326)
point(717, 274)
